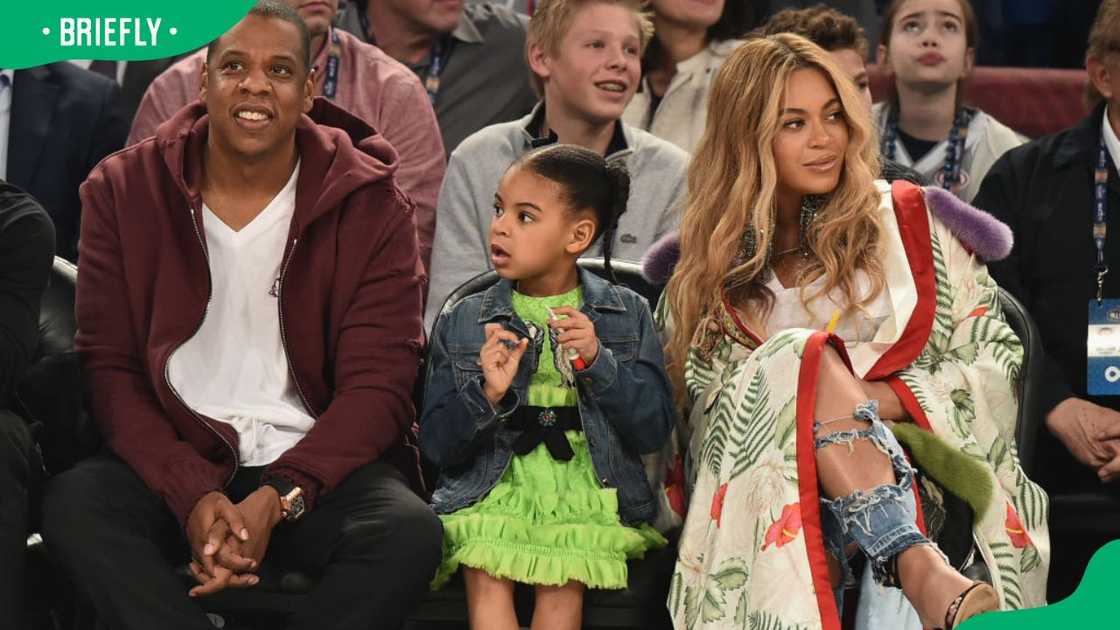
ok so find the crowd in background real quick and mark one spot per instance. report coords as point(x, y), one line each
point(445, 97)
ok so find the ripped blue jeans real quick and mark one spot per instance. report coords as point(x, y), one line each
point(881, 520)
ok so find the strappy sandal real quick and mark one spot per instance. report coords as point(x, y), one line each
point(976, 599)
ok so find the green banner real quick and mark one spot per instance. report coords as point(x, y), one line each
point(1090, 606)
point(34, 33)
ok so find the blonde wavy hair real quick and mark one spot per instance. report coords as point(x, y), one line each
point(732, 185)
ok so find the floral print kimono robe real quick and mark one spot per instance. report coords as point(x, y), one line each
point(751, 553)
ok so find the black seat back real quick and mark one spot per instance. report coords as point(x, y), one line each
point(57, 325)
point(50, 394)
point(1030, 420)
point(629, 275)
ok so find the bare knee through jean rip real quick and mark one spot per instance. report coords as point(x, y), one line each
point(876, 511)
point(848, 429)
point(856, 507)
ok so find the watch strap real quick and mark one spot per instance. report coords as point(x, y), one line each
point(291, 498)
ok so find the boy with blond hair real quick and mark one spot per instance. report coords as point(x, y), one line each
point(585, 57)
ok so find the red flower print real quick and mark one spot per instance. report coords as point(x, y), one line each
point(784, 529)
point(1015, 530)
point(717, 504)
point(979, 312)
point(674, 486)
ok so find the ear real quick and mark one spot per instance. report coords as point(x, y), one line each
point(1100, 75)
point(202, 84)
point(882, 59)
point(539, 62)
point(309, 92)
point(582, 234)
point(969, 61)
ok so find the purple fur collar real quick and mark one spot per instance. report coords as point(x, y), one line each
point(661, 258)
point(986, 236)
point(977, 230)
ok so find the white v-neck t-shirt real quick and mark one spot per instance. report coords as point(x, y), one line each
point(234, 369)
point(855, 327)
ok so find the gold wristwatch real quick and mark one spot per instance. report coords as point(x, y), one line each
point(291, 498)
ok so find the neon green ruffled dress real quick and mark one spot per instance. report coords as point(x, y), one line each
point(546, 522)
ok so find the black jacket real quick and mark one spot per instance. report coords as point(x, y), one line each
point(64, 119)
point(26, 253)
point(1044, 191)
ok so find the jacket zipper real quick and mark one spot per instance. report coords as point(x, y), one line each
point(283, 335)
point(167, 364)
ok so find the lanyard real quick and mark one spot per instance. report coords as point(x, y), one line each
point(950, 176)
point(330, 85)
point(1100, 213)
point(441, 51)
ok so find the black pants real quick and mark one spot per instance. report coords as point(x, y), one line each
point(20, 474)
point(373, 543)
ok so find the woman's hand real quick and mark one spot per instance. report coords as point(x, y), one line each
point(890, 407)
point(500, 356)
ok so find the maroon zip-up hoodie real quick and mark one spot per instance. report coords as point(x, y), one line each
point(349, 307)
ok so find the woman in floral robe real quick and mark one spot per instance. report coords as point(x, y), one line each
point(785, 489)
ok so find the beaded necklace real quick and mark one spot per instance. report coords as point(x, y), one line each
point(949, 177)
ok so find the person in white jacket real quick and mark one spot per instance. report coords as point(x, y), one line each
point(691, 41)
point(929, 48)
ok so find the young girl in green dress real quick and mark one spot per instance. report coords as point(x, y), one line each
point(542, 393)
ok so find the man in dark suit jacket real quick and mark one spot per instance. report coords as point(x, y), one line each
point(26, 252)
point(63, 121)
point(137, 76)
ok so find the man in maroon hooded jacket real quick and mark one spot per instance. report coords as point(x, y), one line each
point(249, 312)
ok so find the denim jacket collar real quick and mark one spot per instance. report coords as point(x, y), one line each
point(598, 296)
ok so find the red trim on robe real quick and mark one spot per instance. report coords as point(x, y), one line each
point(920, 521)
point(807, 480)
point(918, 415)
point(739, 322)
point(915, 411)
point(909, 403)
point(913, 226)
point(808, 486)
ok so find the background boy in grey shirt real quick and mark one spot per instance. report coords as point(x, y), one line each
point(585, 59)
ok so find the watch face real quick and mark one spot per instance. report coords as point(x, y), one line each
point(297, 508)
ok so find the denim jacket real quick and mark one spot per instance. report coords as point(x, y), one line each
point(625, 399)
